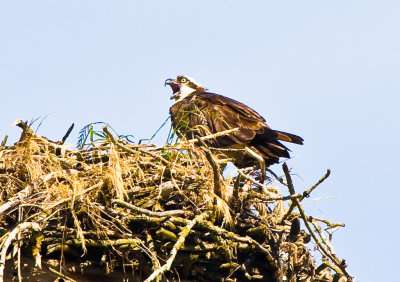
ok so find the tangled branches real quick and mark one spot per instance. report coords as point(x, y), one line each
point(138, 212)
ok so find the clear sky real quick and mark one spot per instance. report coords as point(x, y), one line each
point(328, 71)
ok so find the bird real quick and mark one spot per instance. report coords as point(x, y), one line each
point(198, 113)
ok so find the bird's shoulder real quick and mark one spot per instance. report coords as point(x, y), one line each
point(225, 104)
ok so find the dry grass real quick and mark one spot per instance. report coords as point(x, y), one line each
point(147, 212)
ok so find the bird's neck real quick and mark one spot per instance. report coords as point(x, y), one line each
point(184, 92)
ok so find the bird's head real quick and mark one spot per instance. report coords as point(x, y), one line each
point(182, 86)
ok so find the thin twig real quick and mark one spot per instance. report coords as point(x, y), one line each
point(59, 274)
point(276, 176)
point(207, 137)
point(3, 143)
point(308, 191)
point(215, 167)
point(251, 179)
point(305, 194)
point(266, 198)
point(328, 223)
point(260, 159)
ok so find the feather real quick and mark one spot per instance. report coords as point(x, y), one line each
point(218, 113)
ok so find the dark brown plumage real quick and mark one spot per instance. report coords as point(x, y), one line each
point(200, 113)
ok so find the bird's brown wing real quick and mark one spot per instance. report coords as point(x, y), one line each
point(204, 113)
point(215, 113)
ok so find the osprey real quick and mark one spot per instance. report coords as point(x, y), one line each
point(197, 112)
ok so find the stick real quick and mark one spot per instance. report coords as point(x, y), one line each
point(266, 198)
point(305, 194)
point(179, 244)
point(59, 274)
point(3, 143)
point(17, 198)
point(13, 234)
point(308, 192)
point(251, 179)
point(147, 212)
point(215, 167)
point(230, 235)
point(303, 216)
point(260, 159)
point(67, 134)
point(207, 137)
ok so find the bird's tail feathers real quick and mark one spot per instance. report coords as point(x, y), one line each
point(288, 137)
point(272, 151)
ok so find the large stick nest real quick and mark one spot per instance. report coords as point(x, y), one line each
point(119, 211)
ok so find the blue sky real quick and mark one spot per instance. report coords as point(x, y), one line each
point(325, 70)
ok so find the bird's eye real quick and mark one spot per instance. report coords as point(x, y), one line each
point(183, 80)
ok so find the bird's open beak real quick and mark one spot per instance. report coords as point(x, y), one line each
point(174, 86)
point(168, 81)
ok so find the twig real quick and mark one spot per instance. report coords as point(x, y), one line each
point(251, 179)
point(67, 134)
point(119, 145)
point(207, 137)
point(322, 237)
point(59, 274)
point(303, 216)
point(75, 196)
point(308, 191)
point(105, 243)
point(260, 159)
point(230, 235)
point(17, 198)
point(13, 234)
point(235, 193)
point(276, 176)
point(305, 194)
point(3, 143)
point(152, 253)
point(178, 245)
point(328, 223)
point(215, 167)
point(266, 198)
point(147, 212)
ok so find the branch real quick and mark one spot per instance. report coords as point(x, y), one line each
point(207, 137)
point(3, 143)
point(17, 198)
point(67, 134)
point(266, 198)
point(147, 212)
point(251, 179)
point(230, 235)
point(305, 194)
point(308, 192)
point(178, 245)
point(305, 220)
point(13, 234)
point(215, 167)
point(260, 159)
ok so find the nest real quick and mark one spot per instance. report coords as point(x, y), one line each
point(123, 212)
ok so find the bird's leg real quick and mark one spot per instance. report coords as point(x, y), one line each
point(260, 159)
